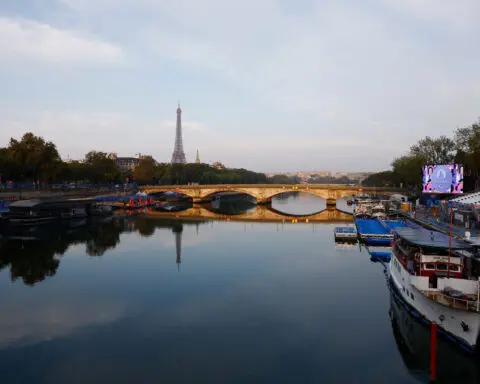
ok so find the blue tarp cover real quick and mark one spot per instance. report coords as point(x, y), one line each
point(393, 224)
point(371, 227)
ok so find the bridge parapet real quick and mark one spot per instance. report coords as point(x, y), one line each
point(264, 192)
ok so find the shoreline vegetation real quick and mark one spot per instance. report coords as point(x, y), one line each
point(463, 148)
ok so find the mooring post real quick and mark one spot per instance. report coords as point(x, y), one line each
point(433, 352)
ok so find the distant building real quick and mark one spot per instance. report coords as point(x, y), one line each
point(197, 160)
point(69, 161)
point(218, 165)
point(127, 164)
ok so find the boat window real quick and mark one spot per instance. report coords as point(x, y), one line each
point(411, 295)
point(454, 267)
point(441, 267)
point(428, 266)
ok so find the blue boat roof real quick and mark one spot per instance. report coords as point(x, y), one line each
point(393, 224)
point(371, 227)
point(423, 238)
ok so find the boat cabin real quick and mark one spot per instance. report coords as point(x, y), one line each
point(432, 254)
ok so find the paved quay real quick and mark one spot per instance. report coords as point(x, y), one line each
point(423, 218)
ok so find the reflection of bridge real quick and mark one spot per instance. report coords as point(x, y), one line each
point(264, 192)
point(260, 214)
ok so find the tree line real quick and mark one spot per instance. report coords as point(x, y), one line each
point(462, 148)
point(33, 159)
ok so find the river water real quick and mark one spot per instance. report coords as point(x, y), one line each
point(147, 300)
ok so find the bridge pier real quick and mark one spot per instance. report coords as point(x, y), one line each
point(266, 201)
point(331, 202)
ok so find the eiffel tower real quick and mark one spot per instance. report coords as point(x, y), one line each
point(178, 156)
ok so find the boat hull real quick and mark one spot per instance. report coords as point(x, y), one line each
point(449, 320)
point(377, 241)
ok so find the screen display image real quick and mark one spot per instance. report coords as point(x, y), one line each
point(445, 178)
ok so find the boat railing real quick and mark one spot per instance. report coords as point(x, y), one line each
point(453, 302)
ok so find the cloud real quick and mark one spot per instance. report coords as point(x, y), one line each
point(459, 15)
point(268, 77)
point(31, 40)
point(51, 320)
point(77, 132)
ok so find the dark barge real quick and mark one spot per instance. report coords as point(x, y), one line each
point(34, 212)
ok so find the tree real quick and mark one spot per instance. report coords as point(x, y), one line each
point(408, 170)
point(34, 159)
point(434, 151)
point(467, 142)
point(381, 179)
point(145, 171)
point(281, 179)
point(5, 165)
point(99, 167)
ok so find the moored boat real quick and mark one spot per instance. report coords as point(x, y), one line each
point(347, 233)
point(35, 212)
point(378, 211)
point(437, 277)
point(363, 211)
point(380, 252)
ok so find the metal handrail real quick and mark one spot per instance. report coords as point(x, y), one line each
point(470, 305)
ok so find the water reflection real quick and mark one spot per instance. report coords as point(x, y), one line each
point(33, 254)
point(413, 342)
point(298, 203)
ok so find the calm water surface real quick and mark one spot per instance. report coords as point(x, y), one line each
point(145, 300)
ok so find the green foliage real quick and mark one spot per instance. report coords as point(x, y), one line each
point(31, 158)
point(204, 174)
point(381, 179)
point(434, 151)
point(100, 168)
point(468, 148)
point(464, 148)
point(408, 170)
point(317, 179)
point(282, 179)
point(145, 171)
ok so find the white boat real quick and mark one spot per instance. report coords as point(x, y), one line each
point(363, 211)
point(378, 211)
point(428, 272)
point(346, 233)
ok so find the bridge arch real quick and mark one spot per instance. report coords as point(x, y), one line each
point(264, 192)
point(210, 195)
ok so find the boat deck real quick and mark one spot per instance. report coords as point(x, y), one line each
point(452, 302)
point(372, 228)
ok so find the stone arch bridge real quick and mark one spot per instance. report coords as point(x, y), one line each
point(259, 214)
point(264, 192)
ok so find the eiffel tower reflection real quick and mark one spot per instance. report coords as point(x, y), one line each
point(178, 230)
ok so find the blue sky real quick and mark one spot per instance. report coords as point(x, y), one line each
point(270, 85)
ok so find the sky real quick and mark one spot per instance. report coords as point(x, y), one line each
point(268, 85)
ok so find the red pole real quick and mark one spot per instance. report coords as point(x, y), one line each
point(433, 352)
point(450, 243)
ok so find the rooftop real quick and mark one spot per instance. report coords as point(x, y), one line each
point(423, 238)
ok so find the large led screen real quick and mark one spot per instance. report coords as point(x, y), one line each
point(443, 178)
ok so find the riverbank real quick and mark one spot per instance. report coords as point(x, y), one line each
point(434, 223)
point(46, 194)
